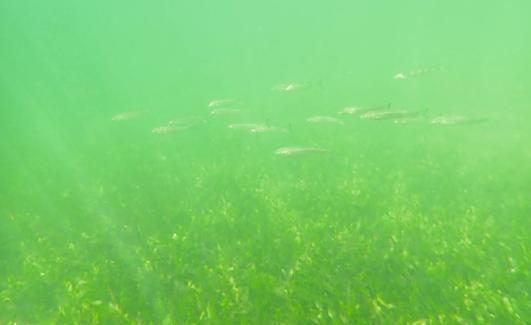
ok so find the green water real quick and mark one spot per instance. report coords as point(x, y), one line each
point(166, 215)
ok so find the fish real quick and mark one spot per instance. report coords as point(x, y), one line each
point(288, 87)
point(246, 126)
point(221, 103)
point(414, 73)
point(400, 76)
point(126, 116)
point(164, 129)
point(265, 128)
point(255, 128)
point(353, 110)
point(456, 119)
point(358, 110)
point(290, 151)
point(392, 114)
point(324, 119)
point(178, 124)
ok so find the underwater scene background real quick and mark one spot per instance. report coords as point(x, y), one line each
point(253, 162)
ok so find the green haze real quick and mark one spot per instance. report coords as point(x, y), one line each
point(128, 196)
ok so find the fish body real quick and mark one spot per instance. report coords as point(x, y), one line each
point(265, 128)
point(383, 115)
point(288, 87)
point(164, 129)
point(392, 115)
point(400, 76)
point(359, 110)
point(246, 126)
point(324, 119)
point(414, 73)
point(178, 124)
point(354, 110)
point(221, 103)
point(455, 119)
point(126, 116)
point(290, 151)
point(255, 127)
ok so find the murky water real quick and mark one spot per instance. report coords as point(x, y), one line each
point(265, 163)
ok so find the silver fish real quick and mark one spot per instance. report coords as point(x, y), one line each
point(126, 116)
point(265, 128)
point(221, 103)
point(353, 110)
point(178, 124)
point(289, 151)
point(400, 76)
point(391, 114)
point(414, 73)
point(288, 87)
point(455, 119)
point(358, 110)
point(164, 129)
point(246, 126)
point(324, 119)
